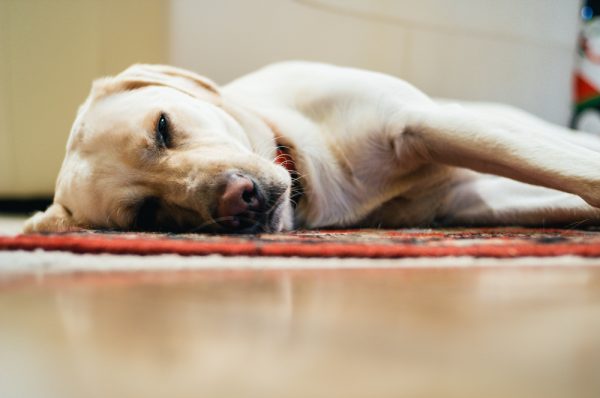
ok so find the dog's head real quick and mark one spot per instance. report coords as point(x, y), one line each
point(156, 148)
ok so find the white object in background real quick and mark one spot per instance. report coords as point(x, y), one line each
point(589, 120)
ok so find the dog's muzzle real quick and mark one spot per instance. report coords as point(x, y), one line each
point(245, 206)
point(241, 204)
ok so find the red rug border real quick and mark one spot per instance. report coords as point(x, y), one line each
point(98, 244)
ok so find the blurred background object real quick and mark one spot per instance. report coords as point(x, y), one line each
point(586, 113)
point(519, 52)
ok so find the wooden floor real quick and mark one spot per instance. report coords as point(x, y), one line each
point(451, 332)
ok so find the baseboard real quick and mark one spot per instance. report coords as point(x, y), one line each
point(24, 206)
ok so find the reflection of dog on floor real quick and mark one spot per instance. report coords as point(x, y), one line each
point(310, 145)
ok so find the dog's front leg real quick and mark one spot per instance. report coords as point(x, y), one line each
point(454, 136)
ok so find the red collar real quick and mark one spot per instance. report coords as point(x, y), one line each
point(284, 158)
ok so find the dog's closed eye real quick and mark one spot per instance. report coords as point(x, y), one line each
point(163, 133)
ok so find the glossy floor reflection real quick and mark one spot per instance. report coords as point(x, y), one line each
point(468, 332)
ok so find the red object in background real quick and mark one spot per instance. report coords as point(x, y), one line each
point(584, 90)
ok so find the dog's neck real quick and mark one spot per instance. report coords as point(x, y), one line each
point(265, 133)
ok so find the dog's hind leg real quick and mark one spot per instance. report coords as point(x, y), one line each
point(455, 136)
point(509, 115)
point(485, 199)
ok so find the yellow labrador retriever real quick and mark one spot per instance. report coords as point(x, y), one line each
point(307, 145)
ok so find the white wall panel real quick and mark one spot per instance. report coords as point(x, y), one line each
point(549, 22)
point(224, 39)
point(515, 51)
point(535, 78)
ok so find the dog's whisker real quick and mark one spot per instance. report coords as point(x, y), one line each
point(576, 224)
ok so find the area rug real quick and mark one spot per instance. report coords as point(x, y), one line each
point(364, 243)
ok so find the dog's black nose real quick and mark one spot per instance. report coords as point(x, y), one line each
point(240, 203)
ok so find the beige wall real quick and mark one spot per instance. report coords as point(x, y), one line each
point(514, 51)
point(49, 53)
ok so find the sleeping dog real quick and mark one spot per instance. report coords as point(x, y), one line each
point(308, 145)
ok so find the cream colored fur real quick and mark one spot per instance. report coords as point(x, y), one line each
point(371, 150)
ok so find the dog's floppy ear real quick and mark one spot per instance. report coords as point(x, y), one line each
point(55, 219)
point(142, 75)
